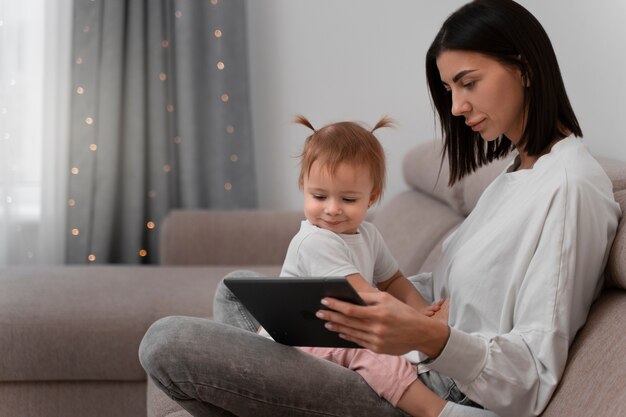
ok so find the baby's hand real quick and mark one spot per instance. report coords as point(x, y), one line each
point(438, 310)
point(431, 309)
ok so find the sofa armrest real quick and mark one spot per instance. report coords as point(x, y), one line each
point(245, 237)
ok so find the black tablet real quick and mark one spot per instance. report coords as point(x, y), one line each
point(286, 306)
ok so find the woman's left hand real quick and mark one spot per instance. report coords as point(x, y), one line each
point(385, 325)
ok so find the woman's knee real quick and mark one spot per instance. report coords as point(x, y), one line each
point(158, 346)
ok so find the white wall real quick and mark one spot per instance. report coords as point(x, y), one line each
point(360, 59)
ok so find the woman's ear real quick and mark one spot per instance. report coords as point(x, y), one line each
point(524, 71)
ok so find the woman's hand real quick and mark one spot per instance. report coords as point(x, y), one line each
point(385, 325)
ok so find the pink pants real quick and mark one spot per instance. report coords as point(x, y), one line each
point(389, 376)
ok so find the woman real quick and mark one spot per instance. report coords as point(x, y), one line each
point(520, 273)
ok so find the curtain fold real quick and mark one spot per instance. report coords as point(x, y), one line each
point(160, 120)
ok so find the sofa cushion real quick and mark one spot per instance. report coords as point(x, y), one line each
point(615, 171)
point(160, 405)
point(73, 399)
point(593, 381)
point(412, 225)
point(216, 237)
point(424, 171)
point(91, 319)
point(475, 183)
point(616, 266)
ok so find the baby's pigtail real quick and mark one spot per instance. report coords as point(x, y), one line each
point(385, 121)
point(301, 120)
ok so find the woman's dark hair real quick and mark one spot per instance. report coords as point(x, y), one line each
point(510, 34)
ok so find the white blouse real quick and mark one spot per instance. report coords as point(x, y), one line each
point(521, 273)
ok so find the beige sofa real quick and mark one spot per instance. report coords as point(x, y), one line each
point(69, 335)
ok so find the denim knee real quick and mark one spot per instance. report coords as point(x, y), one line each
point(155, 351)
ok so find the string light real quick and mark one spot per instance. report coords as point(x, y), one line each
point(75, 171)
point(162, 76)
point(224, 97)
point(71, 202)
point(220, 65)
point(234, 157)
point(91, 257)
point(228, 186)
point(79, 60)
point(217, 33)
point(89, 120)
point(80, 90)
point(150, 225)
point(143, 253)
point(93, 147)
point(230, 130)
point(75, 232)
point(165, 43)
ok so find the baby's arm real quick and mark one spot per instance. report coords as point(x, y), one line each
point(359, 283)
point(401, 288)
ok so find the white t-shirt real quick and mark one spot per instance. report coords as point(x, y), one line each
point(521, 273)
point(316, 252)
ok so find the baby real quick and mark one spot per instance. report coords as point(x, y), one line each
point(342, 175)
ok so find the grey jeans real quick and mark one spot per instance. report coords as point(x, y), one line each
point(221, 367)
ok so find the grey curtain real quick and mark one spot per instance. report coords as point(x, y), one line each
point(160, 119)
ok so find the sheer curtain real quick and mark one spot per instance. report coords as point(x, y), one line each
point(34, 86)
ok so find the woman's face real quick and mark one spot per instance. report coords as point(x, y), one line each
point(488, 94)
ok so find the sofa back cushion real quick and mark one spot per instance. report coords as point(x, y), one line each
point(413, 225)
point(424, 171)
point(593, 381)
point(616, 266)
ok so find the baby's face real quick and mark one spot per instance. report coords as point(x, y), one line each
point(337, 202)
